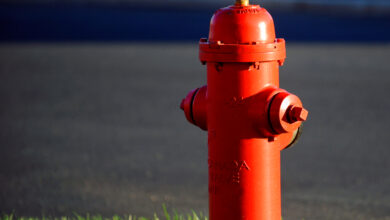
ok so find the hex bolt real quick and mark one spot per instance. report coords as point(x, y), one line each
point(242, 2)
point(297, 114)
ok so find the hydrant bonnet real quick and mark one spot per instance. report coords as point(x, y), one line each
point(242, 34)
point(242, 25)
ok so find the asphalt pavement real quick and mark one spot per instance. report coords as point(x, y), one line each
point(97, 128)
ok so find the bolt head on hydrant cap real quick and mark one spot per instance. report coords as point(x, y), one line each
point(298, 114)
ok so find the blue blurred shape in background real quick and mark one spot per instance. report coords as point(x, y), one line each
point(180, 20)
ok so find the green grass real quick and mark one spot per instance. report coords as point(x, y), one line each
point(167, 216)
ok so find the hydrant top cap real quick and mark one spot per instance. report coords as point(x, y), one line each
point(242, 25)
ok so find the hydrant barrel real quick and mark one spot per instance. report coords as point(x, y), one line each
point(249, 119)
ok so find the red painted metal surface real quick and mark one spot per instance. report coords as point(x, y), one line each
point(249, 119)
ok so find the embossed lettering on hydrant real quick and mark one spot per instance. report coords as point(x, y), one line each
point(227, 172)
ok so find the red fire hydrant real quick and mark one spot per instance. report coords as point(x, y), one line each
point(248, 117)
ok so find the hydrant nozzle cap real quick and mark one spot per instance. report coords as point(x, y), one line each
point(186, 105)
point(286, 112)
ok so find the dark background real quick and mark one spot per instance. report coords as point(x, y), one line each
point(90, 119)
point(103, 21)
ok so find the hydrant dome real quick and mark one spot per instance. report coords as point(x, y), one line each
point(242, 25)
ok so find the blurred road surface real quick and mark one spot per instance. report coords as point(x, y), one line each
point(97, 128)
